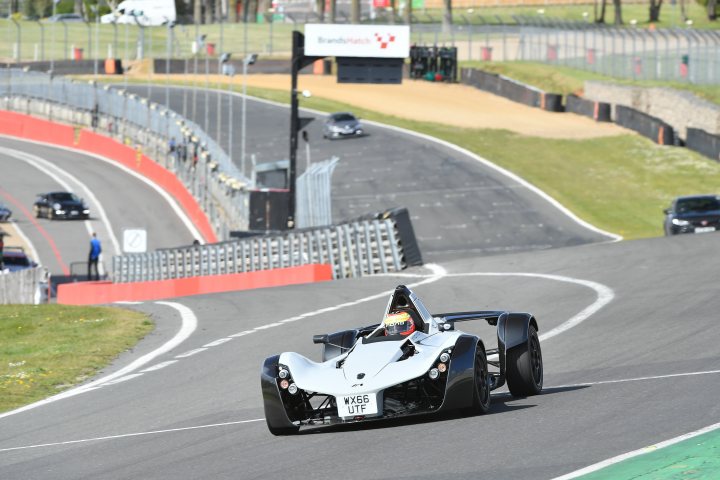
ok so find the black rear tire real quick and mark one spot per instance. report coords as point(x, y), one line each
point(481, 390)
point(524, 367)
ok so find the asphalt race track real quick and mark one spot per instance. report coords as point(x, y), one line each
point(196, 410)
point(29, 169)
point(459, 207)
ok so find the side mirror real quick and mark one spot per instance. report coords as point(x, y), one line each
point(666, 211)
point(322, 338)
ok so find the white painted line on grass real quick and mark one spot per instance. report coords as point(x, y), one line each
point(189, 324)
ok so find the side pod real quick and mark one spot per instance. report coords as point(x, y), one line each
point(275, 414)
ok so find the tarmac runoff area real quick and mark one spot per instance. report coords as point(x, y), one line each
point(449, 104)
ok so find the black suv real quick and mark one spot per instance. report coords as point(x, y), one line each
point(693, 214)
point(60, 205)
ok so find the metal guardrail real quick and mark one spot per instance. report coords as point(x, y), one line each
point(354, 249)
point(22, 286)
point(205, 169)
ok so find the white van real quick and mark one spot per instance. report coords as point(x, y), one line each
point(149, 13)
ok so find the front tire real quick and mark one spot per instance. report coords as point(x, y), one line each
point(524, 367)
point(481, 390)
point(36, 211)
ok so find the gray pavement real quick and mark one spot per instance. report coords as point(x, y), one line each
point(202, 417)
point(127, 201)
point(459, 207)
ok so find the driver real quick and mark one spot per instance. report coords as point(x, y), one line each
point(398, 322)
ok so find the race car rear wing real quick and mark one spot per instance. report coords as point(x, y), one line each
point(490, 316)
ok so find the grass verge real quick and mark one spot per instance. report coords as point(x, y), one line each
point(45, 349)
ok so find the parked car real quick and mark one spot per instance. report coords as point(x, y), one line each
point(60, 205)
point(66, 17)
point(693, 214)
point(342, 125)
point(15, 258)
point(5, 213)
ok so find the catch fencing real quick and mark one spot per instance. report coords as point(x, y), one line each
point(354, 249)
point(314, 205)
point(195, 158)
point(22, 286)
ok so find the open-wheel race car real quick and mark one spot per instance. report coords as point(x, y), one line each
point(414, 362)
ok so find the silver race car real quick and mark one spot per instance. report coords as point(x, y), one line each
point(370, 373)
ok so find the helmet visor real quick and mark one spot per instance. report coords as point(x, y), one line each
point(398, 323)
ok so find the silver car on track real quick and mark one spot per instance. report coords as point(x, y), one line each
point(342, 125)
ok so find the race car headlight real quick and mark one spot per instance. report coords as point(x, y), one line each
point(57, 206)
point(444, 357)
point(442, 368)
point(283, 373)
point(292, 389)
point(680, 223)
point(86, 211)
point(433, 373)
point(335, 128)
point(284, 384)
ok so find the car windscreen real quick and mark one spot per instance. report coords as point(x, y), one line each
point(16, 261)
point(343, 117)
point(64, 197)
point(700, 204)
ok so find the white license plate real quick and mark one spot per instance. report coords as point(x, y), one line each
point(354, 405)
point(704, 229)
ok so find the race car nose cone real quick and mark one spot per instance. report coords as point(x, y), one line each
point(360, 376)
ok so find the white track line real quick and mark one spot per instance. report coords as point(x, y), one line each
point(604, 296)
point(189, 324)
point(165, 195)
point(254, 420)
point(59, 175)
point(113, 437)
point(614, 237)
point(26, 240)
point(636, 453)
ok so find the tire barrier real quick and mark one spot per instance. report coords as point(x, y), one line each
point(647, 126)
point(511, 89)
point(436, 64)
point(598, 111)
point(704, 143)
point(381, 244)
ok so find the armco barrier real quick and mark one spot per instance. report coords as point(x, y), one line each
point(647, 126)
point(25, 126)
point(704, 143)
point(92, 293)
point(598, 111)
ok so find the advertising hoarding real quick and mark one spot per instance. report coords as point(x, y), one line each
point(369, 41)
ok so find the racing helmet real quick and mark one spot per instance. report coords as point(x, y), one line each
point(398, 322)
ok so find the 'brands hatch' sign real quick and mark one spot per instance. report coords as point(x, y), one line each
point(378, 41)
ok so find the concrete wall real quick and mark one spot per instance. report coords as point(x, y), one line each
point(22, 286)
point(677, 108)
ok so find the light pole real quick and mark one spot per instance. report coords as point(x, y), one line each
point(168, 54)
point(248, 60)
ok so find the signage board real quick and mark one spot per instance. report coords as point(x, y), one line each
point(368, 41)
point(134, 240)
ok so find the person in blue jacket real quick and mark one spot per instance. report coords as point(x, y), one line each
point(94, 256)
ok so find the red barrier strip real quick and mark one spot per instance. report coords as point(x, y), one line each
point(92, 293)
point(25, 126)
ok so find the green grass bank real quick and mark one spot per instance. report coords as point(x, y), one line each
point(45, 349)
